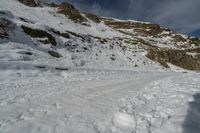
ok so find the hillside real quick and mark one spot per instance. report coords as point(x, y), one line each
point(49, 31)
point(64, 71)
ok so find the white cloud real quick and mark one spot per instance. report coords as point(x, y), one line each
point(182, 15)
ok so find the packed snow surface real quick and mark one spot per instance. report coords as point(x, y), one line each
point(97, 101)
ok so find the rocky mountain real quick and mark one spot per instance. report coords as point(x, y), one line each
point(40, 35)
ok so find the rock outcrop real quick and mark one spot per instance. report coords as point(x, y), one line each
point(187, 59)
point(31, 3)
point(71, 12)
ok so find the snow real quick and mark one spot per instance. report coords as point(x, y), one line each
point(192, 54)
point(123, 120)
point(129, 20)
point(92, 94)
point(47, 16)
point(96, 101)
point(177, 69)
point(97, 55)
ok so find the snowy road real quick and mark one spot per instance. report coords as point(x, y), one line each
point(53, 77)
point(97, 102)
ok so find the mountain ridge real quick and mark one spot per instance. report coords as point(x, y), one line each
point(87, 40)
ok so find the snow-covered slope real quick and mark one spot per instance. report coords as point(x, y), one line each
point(62, 71)
point(111, 43)
point(85, 45)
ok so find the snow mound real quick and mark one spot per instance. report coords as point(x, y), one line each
point(123, 120)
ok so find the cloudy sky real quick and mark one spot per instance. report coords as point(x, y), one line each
point(180, 15)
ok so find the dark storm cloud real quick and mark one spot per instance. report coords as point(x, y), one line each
point(180, 15)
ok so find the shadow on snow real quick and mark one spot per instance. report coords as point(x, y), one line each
point(192, 120)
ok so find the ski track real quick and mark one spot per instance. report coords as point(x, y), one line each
point(138, 103)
